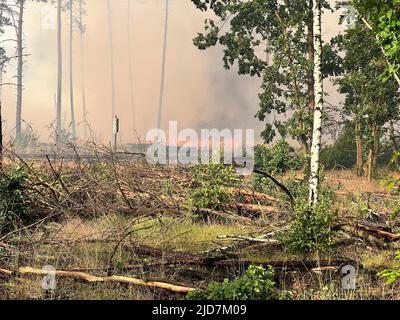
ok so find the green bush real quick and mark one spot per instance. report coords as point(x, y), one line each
point(311, 229)
point(256, 284)
point(211, 181)
point(277, 160)
point(391, 275)
point(13, 203)
point(342, 152)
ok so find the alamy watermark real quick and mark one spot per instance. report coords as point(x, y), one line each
point(230, 147)
point(49, 280)
point(349, 277)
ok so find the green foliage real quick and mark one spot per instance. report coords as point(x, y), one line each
point(250, 30)
point(13, 202)
point(368, 101)
point(391, 275)
point(211, 181)
point(393, 184)
point(311, 229)
point(383, 17)
point(342, 152)
point(256, 284)
point(277, 161)
point(100, 171)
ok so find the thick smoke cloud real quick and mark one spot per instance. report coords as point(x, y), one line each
point(199, 93)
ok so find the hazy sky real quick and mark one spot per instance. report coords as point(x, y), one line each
point(199, 93)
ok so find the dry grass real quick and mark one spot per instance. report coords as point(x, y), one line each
point(80, 225)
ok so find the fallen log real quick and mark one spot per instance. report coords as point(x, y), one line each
point(288, 265)
point(250, 239)
point(252, 209)
point(254, 196)
point(366, 229)
point(226, 217)
point(93, 279)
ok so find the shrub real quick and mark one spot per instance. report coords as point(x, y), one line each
point(311, 229)
point(13, 203)
point(276, 160)
point(211, 181)
point(391, 275)
point(256, 284)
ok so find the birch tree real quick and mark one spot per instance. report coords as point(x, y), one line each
point(319, 104)
point(287, 81)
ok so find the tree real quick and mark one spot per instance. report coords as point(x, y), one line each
point(369, 102)
point(382, 18)
point(82, 30)
point(59, 70)
point(4, 21)
point(163, 65)
point(284, 30)
point(20, 50)
point(111, 46)
point(131, 91)
point(319, 104)
point(71, 77)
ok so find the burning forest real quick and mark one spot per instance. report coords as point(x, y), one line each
point(199, 150)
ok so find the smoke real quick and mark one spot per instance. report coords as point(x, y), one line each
point(198, 94)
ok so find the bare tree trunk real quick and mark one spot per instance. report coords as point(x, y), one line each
point(373, 151)
point(20, 51)
point(319, 104)
point(59, 73)
point(85, 124)
point(113, 109)
point(71, 75)
point(392, 134)
point(310, 57)
point(131, 70)
point(359, 149)
point(1, 133)
point(160, 106)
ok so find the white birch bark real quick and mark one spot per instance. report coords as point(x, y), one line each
point(319, 104)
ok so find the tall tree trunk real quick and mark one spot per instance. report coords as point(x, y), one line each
point(377, 130)
point(85, 124)
point(373, 151)
point(59, 72)
point(392, 134)
point(131, 91)
point(359, 149)
point(71, 75)
point(20, 51)
point(111, 45)
point(319, 104)
point(310, 56)
point(160, 106)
